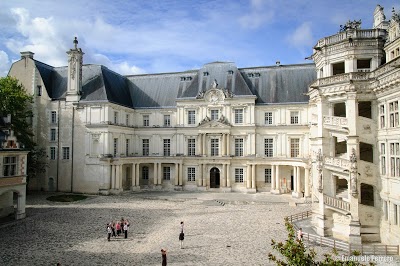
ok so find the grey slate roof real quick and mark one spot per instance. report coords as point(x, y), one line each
point(276, 84)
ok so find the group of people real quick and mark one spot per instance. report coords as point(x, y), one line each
point(117, 228)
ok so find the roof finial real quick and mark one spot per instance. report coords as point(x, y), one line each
point(75, 42)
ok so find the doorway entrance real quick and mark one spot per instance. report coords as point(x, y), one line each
point(214, 177)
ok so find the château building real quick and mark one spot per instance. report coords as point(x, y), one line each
point(327, 131)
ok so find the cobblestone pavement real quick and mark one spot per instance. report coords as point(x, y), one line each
point(220, 229)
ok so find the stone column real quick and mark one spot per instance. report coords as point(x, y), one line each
point(272, 177)
point(248, 176)
point(160, 174)
point(307, 182)
point(223, 183)
point(176, 174)
point(112, 176)
point(253, 176)
point(199, 144)
point(155, 173)
point(120, 176)
point(133, 175)
point(180, 174)
point(299, 181)
point(204, 175)
point(223, 145)
point(200, 177)
point(20, 214)
point(228, 144)
point(204, 149)
point(137, 174)
point(228, 175)
point(278, 180)
point(295, 179)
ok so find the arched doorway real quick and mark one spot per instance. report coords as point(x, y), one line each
point(214, 177)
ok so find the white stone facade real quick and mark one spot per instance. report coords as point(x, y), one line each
point(327, 148)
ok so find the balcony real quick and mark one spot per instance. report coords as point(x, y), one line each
point(358, 34)
point(336, 121)
point(341, 78)
point(337, 203)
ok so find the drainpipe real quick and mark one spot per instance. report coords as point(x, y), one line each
point(72, 149)
point(58, 143)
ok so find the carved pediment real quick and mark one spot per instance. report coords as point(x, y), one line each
point(222, 122)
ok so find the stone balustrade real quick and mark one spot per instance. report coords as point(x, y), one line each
point(335, 121)
point(346, 77)
point(337, 162)
point(336, 203)
point(356, 34)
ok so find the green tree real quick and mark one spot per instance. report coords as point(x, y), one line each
point(295, 253)
point(15, 101)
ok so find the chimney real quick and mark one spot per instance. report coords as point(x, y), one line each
point(27, 54)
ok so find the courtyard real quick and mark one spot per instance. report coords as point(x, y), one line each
point(220, 229)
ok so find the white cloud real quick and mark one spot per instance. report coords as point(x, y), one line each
point(261, 11)
point(4, 63)
point(302, 36)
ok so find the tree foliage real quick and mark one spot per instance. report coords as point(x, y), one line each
point(295, 253)
point(15, 101)
point(37, 162)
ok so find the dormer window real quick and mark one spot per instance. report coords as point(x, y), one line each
point(230, 72)
point(257, 75)
point(205, 74)
point(189, 78)
point(250, 75)
point(183, 78)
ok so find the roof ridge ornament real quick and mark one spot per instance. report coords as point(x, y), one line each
point(351, 25)
point(75, 43)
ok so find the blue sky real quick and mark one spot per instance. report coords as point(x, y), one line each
point(154, 36)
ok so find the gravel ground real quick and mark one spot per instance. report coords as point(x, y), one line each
point(220, 229)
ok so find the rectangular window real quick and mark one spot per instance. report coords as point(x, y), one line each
point(191, 117)
point(239, 175)
point(53, 134)
point(268, 118)
point(52, 153)
point(10, 166)
point(214, 147)
point(394, 159)
point(145, 173)
point(167, 147)
point(394, 114)
point(115, 147)
point(53, 117)
point(294, 117)
point(127, 147)
point(238, 147)
point(167, 173)
point(191, 147)
point(294, 148)
point(115, 118)
point(146, 147)
point(395, 214)
point(238, 116)
point(268, 175)
point(382, 115)
point(127, 120)
point(39, 90)
point(214, 114)
point(146, 120)
point(383, 159)
point(269, 147)
point(167, 120)
point(191, 174)
point(65, 153)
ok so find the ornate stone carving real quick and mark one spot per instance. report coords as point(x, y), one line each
point(96, 137)
point(351, 25)
point(320, 166)
point(200, 95)
point(72, 61)
point(353, 173)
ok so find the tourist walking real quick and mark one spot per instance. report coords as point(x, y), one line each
point(126, 229)
point(113, 229)
point(109, 232)
point(300, 234)
point(118, 227)
point(164, 257)
point(181, 235)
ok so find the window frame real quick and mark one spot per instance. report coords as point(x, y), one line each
point(66, 153)
point(167, 120)
point(294, 150)
point(268, 118)
point(268, 175)
point(239, 115)
point(294, 117)
point(214, 143)
point(10, 166)
point(191, 147)
point(191, 174)
point(191, 117)
point(166, 173)
point(239, 147)
point(167, 147)
point(239, 175)
point(145, 147)
point(268, 147)
point(146, 120)
point(53, 153)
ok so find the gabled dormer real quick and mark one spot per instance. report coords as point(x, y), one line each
point(8, 140)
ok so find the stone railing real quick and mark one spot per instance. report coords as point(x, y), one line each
point(337, 203)
point(346, 77)
point(338, 162)
point(355, 34)
point(335, 121)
